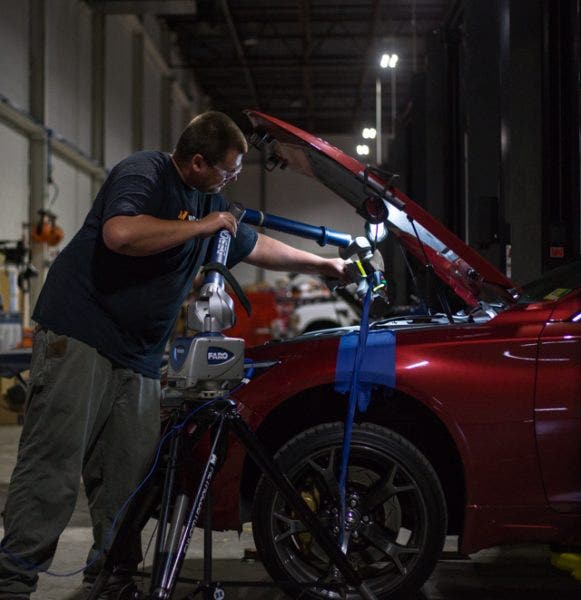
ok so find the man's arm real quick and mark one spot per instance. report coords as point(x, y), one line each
point(143, 235)
point(269, 253)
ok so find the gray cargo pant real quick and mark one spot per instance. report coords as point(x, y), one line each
point(83, 417)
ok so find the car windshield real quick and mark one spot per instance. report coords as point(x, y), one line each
point(553, 284)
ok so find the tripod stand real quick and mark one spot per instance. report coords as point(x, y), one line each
point(179, 512)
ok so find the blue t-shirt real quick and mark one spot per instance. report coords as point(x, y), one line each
point(125, 306)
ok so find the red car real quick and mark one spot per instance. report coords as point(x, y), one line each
point(474, 425)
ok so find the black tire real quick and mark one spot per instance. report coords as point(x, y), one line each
point(398, 505)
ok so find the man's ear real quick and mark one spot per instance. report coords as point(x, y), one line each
point(197, 163)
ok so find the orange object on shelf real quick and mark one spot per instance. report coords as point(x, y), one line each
point(46, 230)
point(27, 337)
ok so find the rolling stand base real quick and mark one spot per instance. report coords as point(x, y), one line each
point(209, 589)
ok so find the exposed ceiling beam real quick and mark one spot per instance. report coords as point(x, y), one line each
point(373, 26)
point(306, 66)
point(357, 14)
point(216, 35)
point(240, 51)
point(146, 7)
point(311, 62)
point(282, 63)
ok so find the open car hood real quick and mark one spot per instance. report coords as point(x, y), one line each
point(459, 266)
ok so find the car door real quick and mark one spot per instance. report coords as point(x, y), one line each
point(558, 405)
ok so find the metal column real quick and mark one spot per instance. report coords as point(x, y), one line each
point(38, 150)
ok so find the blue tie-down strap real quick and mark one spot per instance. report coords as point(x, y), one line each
point(365, 359)
point(376, 368)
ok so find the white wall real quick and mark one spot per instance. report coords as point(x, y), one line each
point(152, 105)
point(14, 186)
point(182, 113)
point(14, 52)
point(118, 108)
point(69, 103)
point(72, 203)
point(68, 68)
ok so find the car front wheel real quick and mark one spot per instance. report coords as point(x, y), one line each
point(395, 515)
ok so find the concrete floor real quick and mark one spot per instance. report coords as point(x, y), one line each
point(515, 573)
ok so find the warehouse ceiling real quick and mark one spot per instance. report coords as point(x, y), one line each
point(313, 63)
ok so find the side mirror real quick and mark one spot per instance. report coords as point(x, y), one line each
point(376, 232)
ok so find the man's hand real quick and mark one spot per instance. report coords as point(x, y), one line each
point(215, 221)
point(334, 268)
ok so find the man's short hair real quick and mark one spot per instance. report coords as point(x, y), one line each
point(210, 134)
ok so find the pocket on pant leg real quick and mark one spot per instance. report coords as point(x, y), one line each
point(36, 385)
point(57, 346)
point(48, 347)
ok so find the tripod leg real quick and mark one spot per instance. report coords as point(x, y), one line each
point(174, 556)
point(142, 507)
point(208, 538)
point(165, 507)
point(267, 465)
